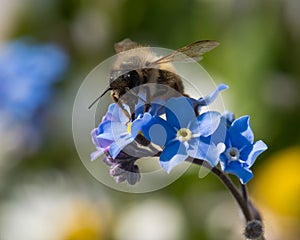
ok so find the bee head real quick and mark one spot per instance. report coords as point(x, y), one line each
point(128, 80)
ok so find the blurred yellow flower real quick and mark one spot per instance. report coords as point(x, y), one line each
point(55, 210)
point(277, 183)
point(276, 189)
point(84, 223)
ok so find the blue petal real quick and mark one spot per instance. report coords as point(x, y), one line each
point(208, 123)
point(96, 154)
point(104, 142)
point(94, 133)
point(117, 146)
point(250, 153)
point(159, 131)
point(109, 115)
point(212, 97)
point(179, 112)
point(241, 133)
point(101, 141)
point(173, 154)
point(220, 135)
point(113, 130)
point(117, 132)
point(236, 168)
point(194, 128)
point(117, 114)
point(202, 148)
point(139, 122)
point(223, 160)
point(104, 127)
point(102, 145)
point(212, 155)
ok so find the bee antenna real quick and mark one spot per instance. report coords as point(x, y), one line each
point(105, 91)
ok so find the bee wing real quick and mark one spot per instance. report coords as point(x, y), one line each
point(188, 53)
point(125, 45)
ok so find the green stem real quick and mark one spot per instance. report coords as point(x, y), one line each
point(244, 192)
point(248, 209)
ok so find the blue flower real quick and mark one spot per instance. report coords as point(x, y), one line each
point(115, 132)
point(240, 152)
point(27, 73)
point(183, 134)
point(119, 140)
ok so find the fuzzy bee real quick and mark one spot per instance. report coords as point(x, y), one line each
point(137, 66)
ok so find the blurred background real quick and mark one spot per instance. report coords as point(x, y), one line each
point(46, 50)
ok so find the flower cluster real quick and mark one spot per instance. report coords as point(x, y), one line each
point(175, 130)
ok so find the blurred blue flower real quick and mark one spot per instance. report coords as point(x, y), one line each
point(183, 134)
point(27, 73)
point(240, 152)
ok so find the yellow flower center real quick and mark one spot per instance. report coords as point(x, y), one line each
point(129, 127)
point(184, 134)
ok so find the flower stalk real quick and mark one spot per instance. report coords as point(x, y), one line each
point(254, 227)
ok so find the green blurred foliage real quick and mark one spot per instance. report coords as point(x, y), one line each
point(258, 58)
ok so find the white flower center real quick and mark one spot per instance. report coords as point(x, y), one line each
point(184, 134)
point(232, 154)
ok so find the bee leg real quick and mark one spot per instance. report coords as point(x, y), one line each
point(132, 117)
point(147, 107)
point(146, 102)
point(122, 107)
point(125, 112)
point(134, 94)
point(132, 104)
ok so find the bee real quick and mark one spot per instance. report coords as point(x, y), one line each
point(137, 66)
